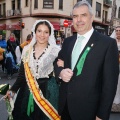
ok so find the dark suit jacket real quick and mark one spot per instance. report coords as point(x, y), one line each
point(91, 93)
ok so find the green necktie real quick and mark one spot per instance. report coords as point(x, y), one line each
point(76, 51)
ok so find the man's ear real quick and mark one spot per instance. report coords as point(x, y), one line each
point(92, 18)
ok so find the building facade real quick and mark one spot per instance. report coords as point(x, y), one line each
point(18, 16)
point(116, 20)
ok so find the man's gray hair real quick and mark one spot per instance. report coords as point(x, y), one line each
point(117, 27)
point(82, 3)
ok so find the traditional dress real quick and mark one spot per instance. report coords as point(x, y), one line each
point(41, 70)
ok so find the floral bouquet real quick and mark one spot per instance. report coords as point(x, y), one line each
point(9, 102)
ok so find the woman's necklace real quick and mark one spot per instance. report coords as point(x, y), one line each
point(37, 59)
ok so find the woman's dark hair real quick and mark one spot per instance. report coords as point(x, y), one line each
point(43, 23)
point(29, 37)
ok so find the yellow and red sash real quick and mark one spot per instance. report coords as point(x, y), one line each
point(43, 103)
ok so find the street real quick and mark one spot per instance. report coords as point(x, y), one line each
point(3, 112)
point(3, 80)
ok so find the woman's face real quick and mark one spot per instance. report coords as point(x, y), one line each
point(11, 36)
point(42, 34)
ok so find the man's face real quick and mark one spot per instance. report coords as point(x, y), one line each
point(117, 33)
point(0, 37)
point(82, 19)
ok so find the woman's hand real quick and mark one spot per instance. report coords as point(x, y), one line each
point(9, 94)
point(60, 63)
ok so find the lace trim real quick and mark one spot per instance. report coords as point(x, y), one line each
point(45, 63)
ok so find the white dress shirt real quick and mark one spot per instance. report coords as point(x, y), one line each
point(85, 40)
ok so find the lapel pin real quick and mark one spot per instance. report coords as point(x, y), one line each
point(92, 45)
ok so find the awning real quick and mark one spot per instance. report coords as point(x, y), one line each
point(73, 29)
point(70, 22)
point(56, 25)
point(2, 26)
point(13, 27)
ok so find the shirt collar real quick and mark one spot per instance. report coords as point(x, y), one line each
point(86, 35)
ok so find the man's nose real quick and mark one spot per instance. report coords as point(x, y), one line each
point(79, 18)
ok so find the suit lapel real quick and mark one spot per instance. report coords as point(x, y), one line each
point(72, 42)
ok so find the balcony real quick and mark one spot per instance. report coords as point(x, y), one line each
point(16, 12)
point(108, 3)
point(3, 15)
point(116, 22)
point(105, 21)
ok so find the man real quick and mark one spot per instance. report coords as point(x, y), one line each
point(87, 87)
point(117, 31)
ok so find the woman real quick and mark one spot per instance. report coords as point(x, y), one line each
point(116, 102)
point(38, 94)
point(12, 43)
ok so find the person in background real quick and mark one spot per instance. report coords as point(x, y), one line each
point(3, 45)
point(12, 43)
point(117, 30)
point(18, 50)
point(116, 102)
point(88, 80)
point(38, 91)
point(116, 34)
point(62, 37)
point(1, 54)
point(2, 57)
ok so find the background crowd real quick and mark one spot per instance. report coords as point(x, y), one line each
point(10, 53)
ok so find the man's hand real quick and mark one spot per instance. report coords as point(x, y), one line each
point(98, 118)
point(66, 74)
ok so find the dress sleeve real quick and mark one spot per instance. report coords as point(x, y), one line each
point(20, 81)
point(18, 54)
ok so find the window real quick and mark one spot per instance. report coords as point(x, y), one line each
point(106, 14)
point(79, 0)
point(115, 10)
point(48, 4)
point(119, 13)
point(103, 16)
point(26, 3)
point(90, 1)
point(18, 4)
point(61, 4)
point(0, 9)
point(4, 9)
point(13, 5)
point(36, 4)
point(98, 10)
